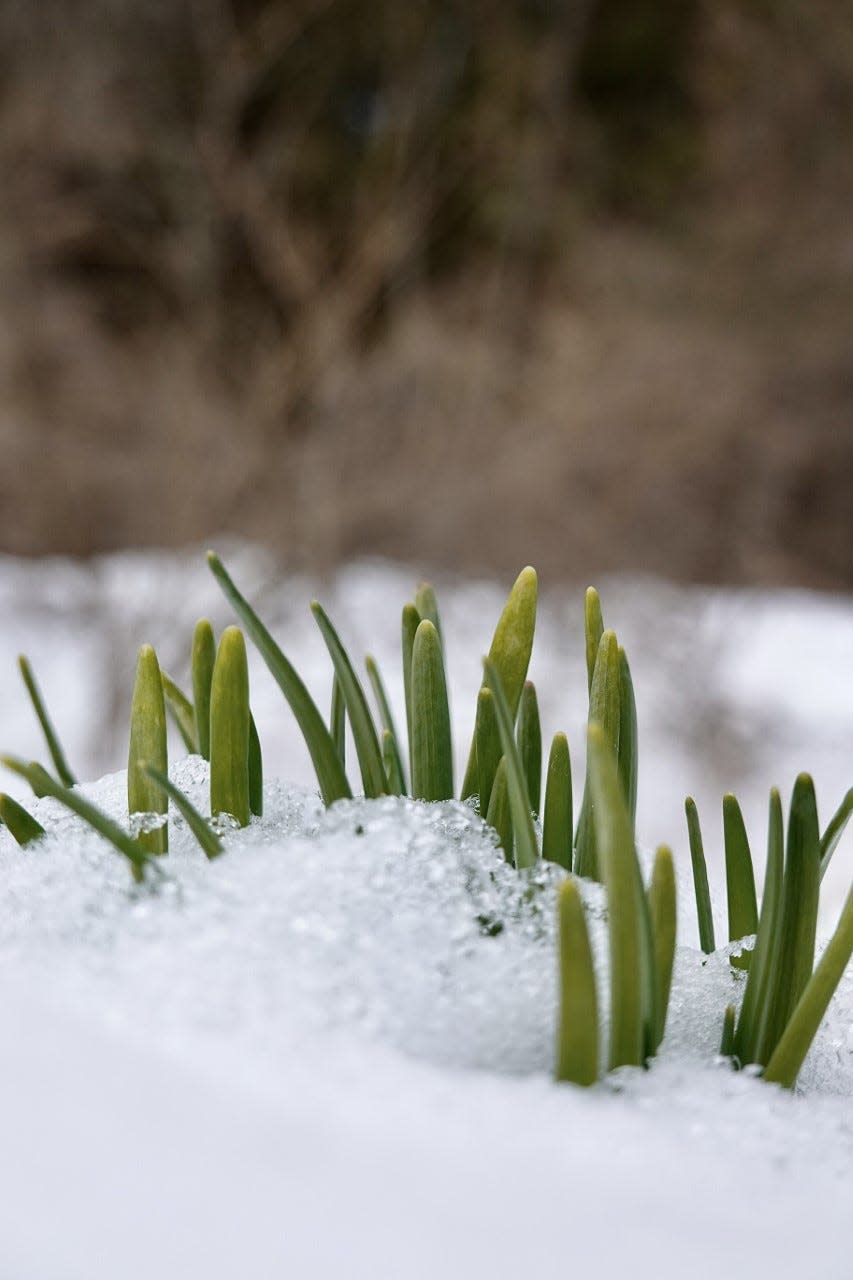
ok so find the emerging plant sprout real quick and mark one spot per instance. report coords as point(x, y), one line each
point(784, 996)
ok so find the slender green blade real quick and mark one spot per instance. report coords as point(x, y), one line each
point(628, 740)
point(557, 819)
point(577, 1026)
point(529, 740)
point(363, 729)
point(727, 1044)
point(662, 909)
point(22, 825)
point(202, 662)
point(182, 711)
point(230, 729)
point(628, 960)
point(834, 831)
point(43, 785)
point(324, 754)
point(410, 623)
point(604, 704)
point(512, 645)
point(393, 764)
point(256, 770)
point(700, 878)
point(487, 737)
point(499, 815)
point(526, 852)
point(207, 838)
point(338, 720)
point(426, 604)
point(795, 1041)
point(386, 717)
point(432, 760)
point(755, 998)
point(794, 955)
point(740, 880)
point(148, 746)
point(593, 630)
point(54, 746)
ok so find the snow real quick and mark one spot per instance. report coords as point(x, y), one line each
point(328, 1053)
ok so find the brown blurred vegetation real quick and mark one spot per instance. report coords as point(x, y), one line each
point(466, 283)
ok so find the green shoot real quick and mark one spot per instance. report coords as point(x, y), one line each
point(364, 733)
point(230, 729)
point(604, 703)
point(22, 825)
point(512, 645)
point(557, 819)
point(432, 761)
point(740, 880)
point(662, 909)
point(148, 745)
point(57, 755)
point(256, 770)
point(529, 740)
point(700, 878)
point(203, 659)
point(577, 1026)
point(487, 739)
point(593, 631)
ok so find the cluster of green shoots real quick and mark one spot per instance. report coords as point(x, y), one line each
point(784, 997)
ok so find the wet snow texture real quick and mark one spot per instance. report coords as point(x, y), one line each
point(328, 1053)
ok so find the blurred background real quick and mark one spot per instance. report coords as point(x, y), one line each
point(466, 284)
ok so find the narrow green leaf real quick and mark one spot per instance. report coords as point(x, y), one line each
point(499, 815)
point(148, 746)
point(256, 770)
point(526, 852)
point(432, 761)
point(338, 720)
point(43, 785)
point(727, 1045)
point(54, 746)
point(410, 623)
point(22, 825)
point(834, 831)
point(700, 878)
point(393, 764)
point(593, 630)
point(740, 880)
point(529, 740)
point(182, 711)
point(604, 702)
point(628, 741)
point(577, 1026)
point(207, 838)
point(230, 729)
point(487, 738)
point(426, 604)
point(755, 998)
point(795, 1041)
point(324, 754)
point(625, 903)
point(203, 659)
point(512, 645)
point(557, 820)
point(386, 717)
point(363, 729)
point(794, 955)
point(662, 909)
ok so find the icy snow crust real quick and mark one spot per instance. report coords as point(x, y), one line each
point(328, 1053)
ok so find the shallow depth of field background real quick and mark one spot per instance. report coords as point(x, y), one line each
point(466, 285)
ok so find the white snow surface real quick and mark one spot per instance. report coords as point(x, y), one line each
point(328, 1053)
